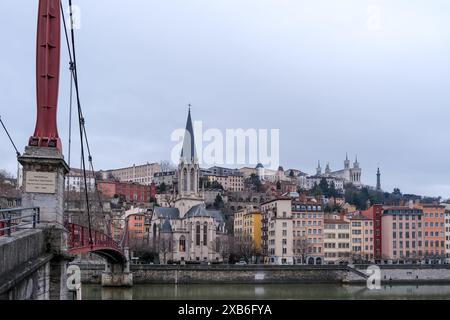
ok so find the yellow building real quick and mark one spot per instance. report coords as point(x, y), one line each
point(247, 226)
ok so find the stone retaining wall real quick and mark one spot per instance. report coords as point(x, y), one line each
point(24, 266)
point(159, 274)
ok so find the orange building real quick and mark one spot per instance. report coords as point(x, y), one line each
point(433, 230)
point(136, 226)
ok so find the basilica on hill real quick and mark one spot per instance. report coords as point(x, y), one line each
point(187, 231)
point(348, 174)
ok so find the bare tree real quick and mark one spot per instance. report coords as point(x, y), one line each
point(301, 248)
point(166, 166)
point(245, 248)
point(222, 246)
point(165, 247)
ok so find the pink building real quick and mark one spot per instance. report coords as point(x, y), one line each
point(402, 233)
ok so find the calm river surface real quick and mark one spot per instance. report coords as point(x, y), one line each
point(266, 291)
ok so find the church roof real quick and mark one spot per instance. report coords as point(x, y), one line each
point(200, 211)
point(171, 213)
point(166, 227)
point(188, 152)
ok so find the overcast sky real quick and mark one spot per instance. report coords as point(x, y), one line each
point(364, 77)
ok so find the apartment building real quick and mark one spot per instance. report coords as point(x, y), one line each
point(247, 227)
point(375, 213)
point(277, 231)
point(74, 180)
point(447, 231)
point(307, 228)
point(336, 242)
point(361, 237)
point(232, 182)
point(133, 192)
point(433, 230)
point(142, 174)
point(166, 177)
point(402, 233)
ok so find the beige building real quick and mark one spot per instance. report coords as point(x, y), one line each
point(336, 244)
point(232, 183)
point(308, 223)
point(142, 174)
point(361, 237)
point(247, 171)
point(277, 231)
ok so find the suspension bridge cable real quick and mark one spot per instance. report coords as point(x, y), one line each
point(71, 52)
point(9, 136)
point(74, 72)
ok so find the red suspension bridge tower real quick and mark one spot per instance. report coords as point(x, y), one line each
point(44, 167)
point(48, 54)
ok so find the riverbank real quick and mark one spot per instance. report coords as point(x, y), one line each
point(254, 292)
point(270, 274)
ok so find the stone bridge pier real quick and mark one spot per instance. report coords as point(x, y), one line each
point(118, 274)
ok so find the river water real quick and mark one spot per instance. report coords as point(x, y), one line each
point(262, 292)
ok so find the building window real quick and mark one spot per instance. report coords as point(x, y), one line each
point(197, 234)
point(182, 246)
point(205, 233)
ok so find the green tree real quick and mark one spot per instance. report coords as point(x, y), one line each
point(323, 185)
point(161, 188)
point(218, 202)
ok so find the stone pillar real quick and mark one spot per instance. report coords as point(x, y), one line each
point(44, 171)
point(118, 274)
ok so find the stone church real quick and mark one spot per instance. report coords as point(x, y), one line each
point(187, 231)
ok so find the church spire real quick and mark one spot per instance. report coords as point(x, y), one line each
point(188, 153)
point(327, 169)
point(346, 162)
point(319, 168)
point(356, 164)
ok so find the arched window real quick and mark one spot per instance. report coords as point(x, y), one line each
point(205, 234)
point(182, 245)
point(197, 234)
point(192, 180)
point(184, 179)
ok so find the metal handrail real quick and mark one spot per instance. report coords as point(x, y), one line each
point(18, 209)
point(12, 221)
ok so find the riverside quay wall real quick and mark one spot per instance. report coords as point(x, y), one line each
point(195, 274)
point(175, 274)
point(24, 266)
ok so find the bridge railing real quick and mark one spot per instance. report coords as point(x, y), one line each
point(12, 220)
point(79, 237)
